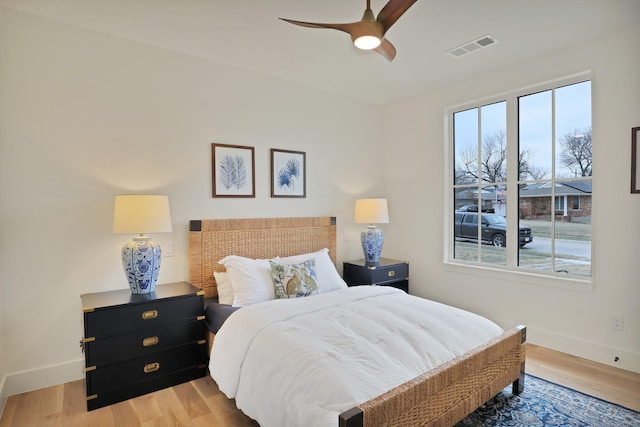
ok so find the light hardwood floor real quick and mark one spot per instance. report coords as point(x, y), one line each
point(596, 379)
point(200, 403)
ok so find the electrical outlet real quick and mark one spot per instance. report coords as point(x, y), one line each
point(167, 249)
point(617, 322)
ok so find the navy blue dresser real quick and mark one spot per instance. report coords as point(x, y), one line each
point(135, 344)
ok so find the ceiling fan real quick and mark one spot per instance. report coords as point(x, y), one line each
point(368, 33)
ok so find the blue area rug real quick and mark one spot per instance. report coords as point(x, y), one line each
point(547, 404)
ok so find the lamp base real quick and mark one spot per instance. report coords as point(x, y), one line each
point(141, 261)
point(372, 240)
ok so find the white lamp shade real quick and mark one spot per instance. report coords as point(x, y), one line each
point(141, 214)
point(371, 211)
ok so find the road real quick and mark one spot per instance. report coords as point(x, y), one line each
point(575, 248)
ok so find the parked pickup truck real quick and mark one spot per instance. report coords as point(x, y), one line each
point(494, 229)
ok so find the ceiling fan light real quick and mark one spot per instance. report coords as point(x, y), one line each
point(367, 34)
point(367, 42)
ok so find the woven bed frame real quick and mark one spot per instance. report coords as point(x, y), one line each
point(210, 240)
point(440, 397)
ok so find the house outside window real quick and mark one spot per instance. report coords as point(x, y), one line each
point(525, 157)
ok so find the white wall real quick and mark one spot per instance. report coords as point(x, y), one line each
point(85, 116)
point(3, 374)
point(567, 320)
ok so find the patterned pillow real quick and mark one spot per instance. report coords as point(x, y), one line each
point(294, 280)
point(328, 277)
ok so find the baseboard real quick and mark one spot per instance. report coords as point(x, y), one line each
point(3, 395)
point(590, 350)
point(34, 379)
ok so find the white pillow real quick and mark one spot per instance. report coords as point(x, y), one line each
point(328, 277)
point(225, 291)
point(250, 279)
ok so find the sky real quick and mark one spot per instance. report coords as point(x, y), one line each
point(536, 114)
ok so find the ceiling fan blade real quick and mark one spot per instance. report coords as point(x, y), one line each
point(368, 26)
point(387, 50)
point(341, 27)
point(392, 11)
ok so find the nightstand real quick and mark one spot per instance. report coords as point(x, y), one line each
point(138, 343)
point(389, 272)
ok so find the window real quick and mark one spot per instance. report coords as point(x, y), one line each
point(576, 203)
point(525, 159)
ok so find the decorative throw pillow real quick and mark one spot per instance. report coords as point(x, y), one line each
point(328, 277)
point(250, 279)
point(294, 280)
point(225, 291)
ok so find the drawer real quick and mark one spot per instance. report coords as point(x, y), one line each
point(145, 368)
point(119, 394)
point(389, 273)
point(110, 349)
point(117, 319)
point(355, 274)
point(400, 284)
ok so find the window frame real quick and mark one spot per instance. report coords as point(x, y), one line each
point(511, 270)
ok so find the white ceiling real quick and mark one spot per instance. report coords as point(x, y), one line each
point(247, 34)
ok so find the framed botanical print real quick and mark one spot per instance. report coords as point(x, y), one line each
point(288, 173)
point(233, 170)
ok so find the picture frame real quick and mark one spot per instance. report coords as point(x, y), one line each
point(233, 170)
point(635, 160)
point(288, 173)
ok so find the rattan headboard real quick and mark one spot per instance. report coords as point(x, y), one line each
point(210, 240)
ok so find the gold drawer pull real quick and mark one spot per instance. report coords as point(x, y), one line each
point(149, 341)
point(151, 314)
point(392, 273)
point(151, 367)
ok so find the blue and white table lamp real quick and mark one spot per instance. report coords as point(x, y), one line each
point(141, 214)
point(372, 211)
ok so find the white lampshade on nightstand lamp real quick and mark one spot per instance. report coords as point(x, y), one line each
point(372, 211)
point(141, 214)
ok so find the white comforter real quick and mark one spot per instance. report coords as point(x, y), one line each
point(301, 362)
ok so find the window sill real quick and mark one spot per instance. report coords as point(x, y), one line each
point(522, 276)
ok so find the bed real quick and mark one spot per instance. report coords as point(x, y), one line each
point(439, 396)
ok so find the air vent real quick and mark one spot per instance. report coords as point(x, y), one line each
point(471, 46)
